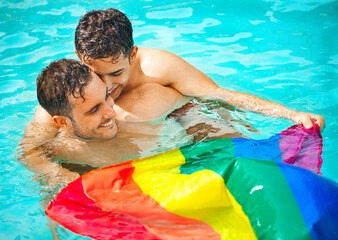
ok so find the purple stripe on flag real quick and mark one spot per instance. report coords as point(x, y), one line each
point(302, 147)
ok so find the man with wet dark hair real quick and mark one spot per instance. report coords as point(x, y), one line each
point(113, 35)
point(61, 90)
point(103, 40)
point(82, 127)
point(64, 77)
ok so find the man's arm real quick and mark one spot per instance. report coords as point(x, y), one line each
point(190, 81)
point(35, 153)
point(254, 104)
point(49, 172)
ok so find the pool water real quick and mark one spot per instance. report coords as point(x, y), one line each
point(285, 51)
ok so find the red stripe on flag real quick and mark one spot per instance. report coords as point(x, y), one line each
point(78, 213)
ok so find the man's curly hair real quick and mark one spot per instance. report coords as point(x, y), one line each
point(58, 81)
point(104, 33)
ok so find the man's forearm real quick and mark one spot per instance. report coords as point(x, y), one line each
point(32, 153)
point(52, 173)
point(255, 104)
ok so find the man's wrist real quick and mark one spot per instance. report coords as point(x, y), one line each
point(291, 114)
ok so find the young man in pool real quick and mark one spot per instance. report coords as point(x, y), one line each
point(104, 41)
point(83, 127)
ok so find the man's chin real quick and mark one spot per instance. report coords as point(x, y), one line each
point(112, 135)
point(97, 138)
point(101, 133)
point(109, 137)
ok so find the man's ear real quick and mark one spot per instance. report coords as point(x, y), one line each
point(78, 55)
point(62, 121)
point(134, 53)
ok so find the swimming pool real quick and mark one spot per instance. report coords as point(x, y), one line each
point(284, 52)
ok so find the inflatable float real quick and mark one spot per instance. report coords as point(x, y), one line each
point(218, 189)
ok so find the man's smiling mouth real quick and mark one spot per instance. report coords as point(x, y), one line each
point(113, 90)
point(108, 124)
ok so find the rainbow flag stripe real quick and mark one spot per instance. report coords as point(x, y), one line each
point(218, 189)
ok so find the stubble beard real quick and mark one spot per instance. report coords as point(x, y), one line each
point(86, 137)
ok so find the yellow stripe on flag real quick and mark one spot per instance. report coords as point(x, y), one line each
point(202, 195)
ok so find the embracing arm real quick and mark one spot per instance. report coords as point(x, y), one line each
point(49, 172)
point(190, 81)
point(34, 153)
point(255, 104)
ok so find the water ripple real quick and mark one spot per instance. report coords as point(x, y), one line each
point(173, 5)
point(52, 30)
point(333, 60)
point(301, 75)
point(36, 55)
point(24, 97)
point(23, 4)
point(303, 6)
point(162, 31)
point(171, 13)
point(10, 86)
point(16, 41)
point(231, 39)
point(75, 11)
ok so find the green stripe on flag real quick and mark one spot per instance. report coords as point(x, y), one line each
point(262, 191)
point(258, 186)
point(216, 155)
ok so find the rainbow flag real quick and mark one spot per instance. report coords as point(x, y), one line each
point(218, 189)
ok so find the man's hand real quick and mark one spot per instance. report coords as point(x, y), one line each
point(307, 119)
point(63, 176)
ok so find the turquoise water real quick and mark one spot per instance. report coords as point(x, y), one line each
point(285, 51)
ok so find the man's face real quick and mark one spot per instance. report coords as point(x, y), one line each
point(94, 118)
point(114, 73)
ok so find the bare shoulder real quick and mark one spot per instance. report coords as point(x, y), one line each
point(153, 52)
point(41, 127)
point(42, 116)
point(170, 69)
point(160, 58)
point(146, 102)
point(160, 64)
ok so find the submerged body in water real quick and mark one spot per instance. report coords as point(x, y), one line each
point(182, 125)
point(178, 121)
point(135, 139)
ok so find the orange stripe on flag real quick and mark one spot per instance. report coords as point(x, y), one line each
point(114, 190)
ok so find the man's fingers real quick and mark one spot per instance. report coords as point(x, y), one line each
point(307, 123)
point(320, 121)
point(307, 120)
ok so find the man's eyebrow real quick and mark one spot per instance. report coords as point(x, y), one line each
point(92, 109)
point(117, 71)
point(111, 73)
point(97, 105)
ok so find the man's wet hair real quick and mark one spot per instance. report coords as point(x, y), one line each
point(58, 81)
point(104, 33)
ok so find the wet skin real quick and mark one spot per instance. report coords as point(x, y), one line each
point(93, 117)
point(115, 73)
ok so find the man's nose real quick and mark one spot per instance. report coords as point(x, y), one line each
point(106, 79)
point(109, 111)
